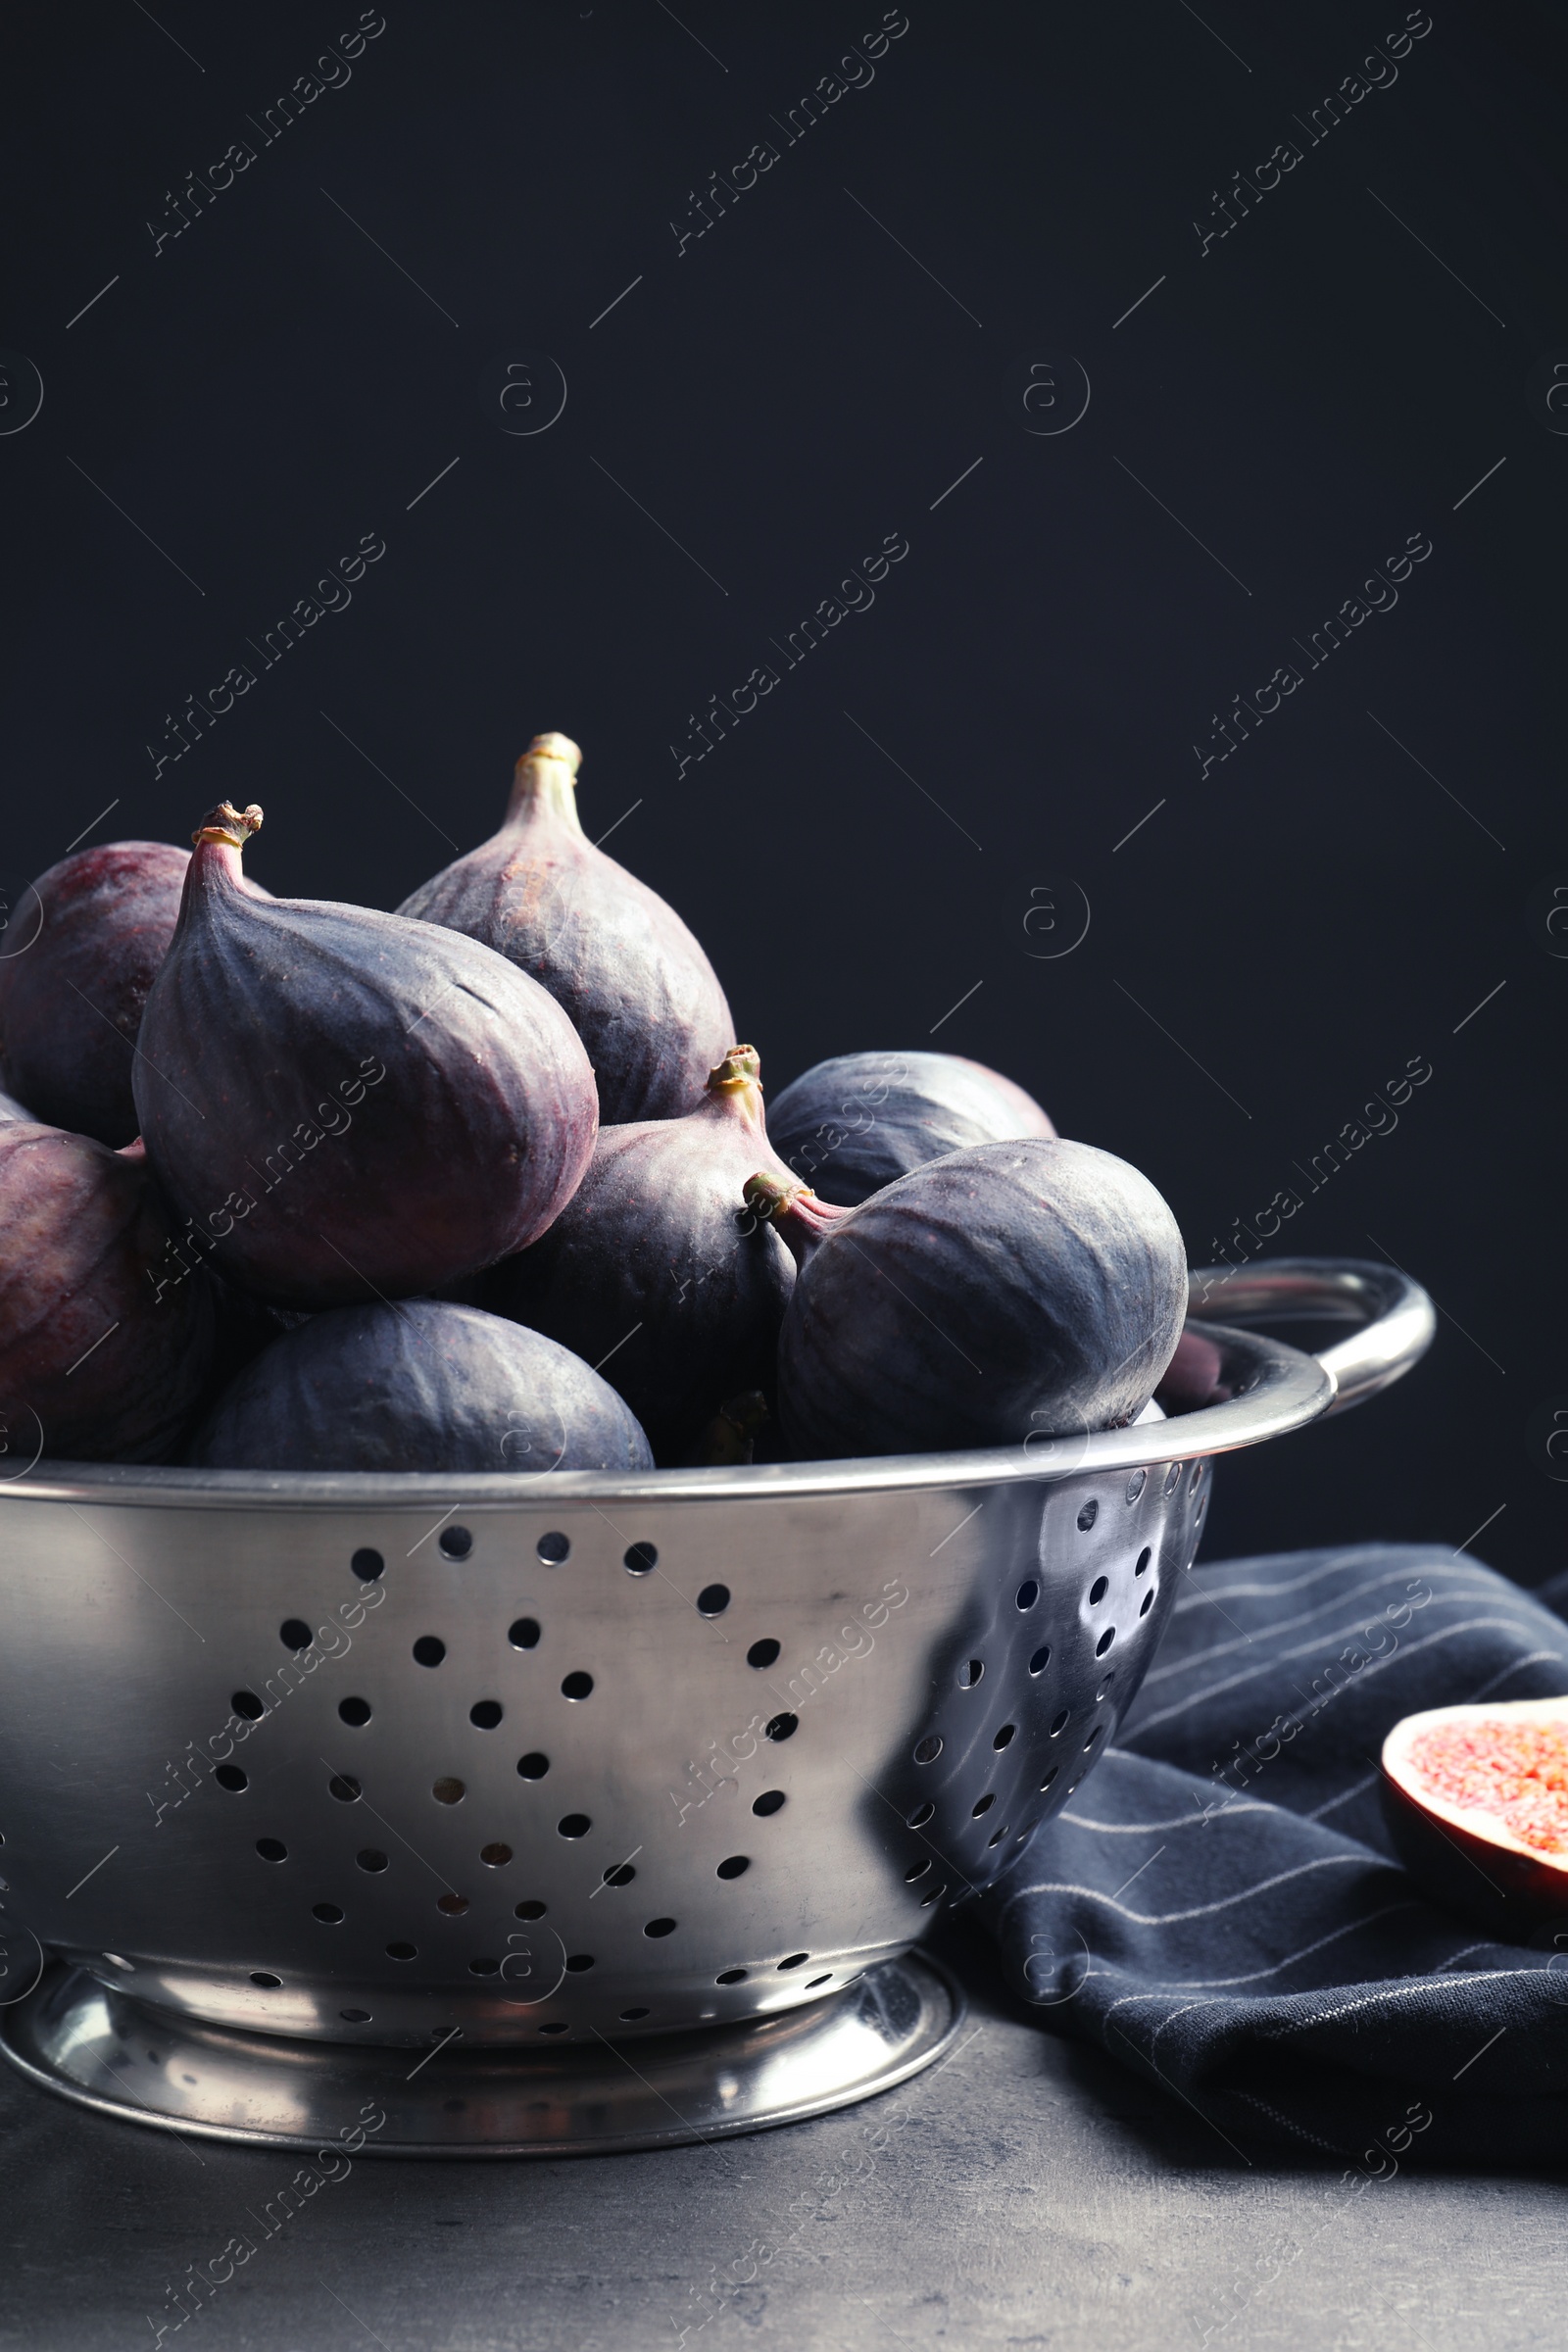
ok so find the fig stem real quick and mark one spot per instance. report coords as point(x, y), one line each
point(544, 782)
point(231, 826)
point(740, 1067)
point(798, 1218)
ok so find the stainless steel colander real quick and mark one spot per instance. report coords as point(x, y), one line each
point(573, 1812)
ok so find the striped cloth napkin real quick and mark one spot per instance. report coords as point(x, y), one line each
point(1219, 1906)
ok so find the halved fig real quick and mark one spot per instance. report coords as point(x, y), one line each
point(1475, 1800)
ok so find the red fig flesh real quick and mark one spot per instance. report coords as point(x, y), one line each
point(656, 1274)
point(348, 1104)
point(82, 951)
point(106, 1320)
point(636, 985)
point(1477, 1802)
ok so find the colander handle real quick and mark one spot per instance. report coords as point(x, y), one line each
point(1394, 1315)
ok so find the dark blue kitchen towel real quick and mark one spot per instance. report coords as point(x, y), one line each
point(1219, 1906)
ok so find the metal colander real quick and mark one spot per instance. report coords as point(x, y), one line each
point(565, 1781)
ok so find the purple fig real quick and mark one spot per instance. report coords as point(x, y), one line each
point(1013, 1289)
point(656, 1273)
point(861, 1120)
point(349, 1106)
point(83, 950)
point(1192, 1378)
point(418, 1385)
point(105, 1321)
point(639, 991)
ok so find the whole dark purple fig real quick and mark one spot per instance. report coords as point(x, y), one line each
point(82, 949)
point(105, 1321)
point(656, 1273)
point(851, 1125)
point(349, 1106)
point(1192, 1378)
point(1013, 1290)
point(418, 1385)
point(639, 991)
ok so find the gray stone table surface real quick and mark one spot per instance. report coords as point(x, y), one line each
point(1024, 2192)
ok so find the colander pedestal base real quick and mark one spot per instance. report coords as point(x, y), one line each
point(154, 2066)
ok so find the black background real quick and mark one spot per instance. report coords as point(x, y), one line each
point(808, 376)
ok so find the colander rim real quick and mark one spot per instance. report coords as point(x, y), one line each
point(1279, 1388)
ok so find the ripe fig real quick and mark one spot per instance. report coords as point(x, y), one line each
point(83, 950)
point(656, 1273)
point(1192, 1378)
point(1021, 1288)
point(418, 1385)
point(106, 1323)
point(1476, 1799)
point(862, 1120)
point(351, 1105)
point(639, 991)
